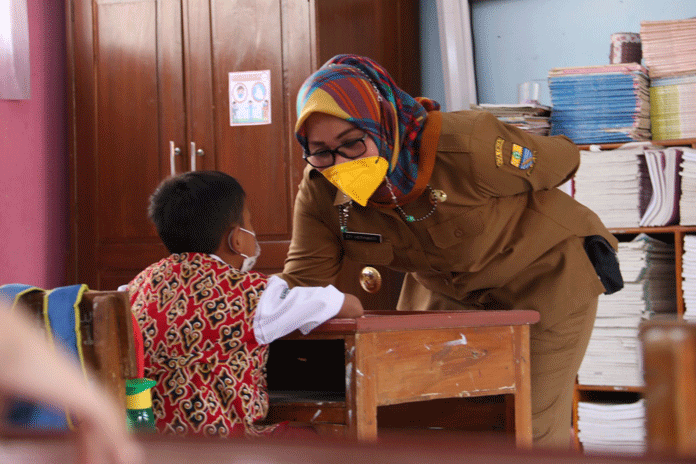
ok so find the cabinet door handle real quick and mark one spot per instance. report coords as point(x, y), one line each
point(195, 153)
point(173, 152)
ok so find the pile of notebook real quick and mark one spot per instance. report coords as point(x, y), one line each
point(689, 277)
point(613, 354)
point(532, 118)
point(615, 184)
point(600, 104)
point(669, 51)
point(687, 201)
point(663, 167)
point(635, 185)
point(612, 428)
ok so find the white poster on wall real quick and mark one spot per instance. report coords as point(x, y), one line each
point(14, 50)
point(250, 98)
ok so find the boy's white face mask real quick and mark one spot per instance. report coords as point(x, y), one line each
point(249, 261)
point(358, 178)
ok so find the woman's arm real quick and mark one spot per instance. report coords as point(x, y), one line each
point(315, 254)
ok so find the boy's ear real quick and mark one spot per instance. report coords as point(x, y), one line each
point(234, 239)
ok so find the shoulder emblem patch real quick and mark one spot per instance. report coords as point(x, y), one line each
point(527, 159)
point(516, 156)
point(499, 151)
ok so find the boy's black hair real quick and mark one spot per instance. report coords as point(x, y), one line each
point(192, 210)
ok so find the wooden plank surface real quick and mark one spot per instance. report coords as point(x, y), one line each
point(417, 365)
point(404, 320)
point(398, 448)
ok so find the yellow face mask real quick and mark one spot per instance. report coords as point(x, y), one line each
point(358, 178)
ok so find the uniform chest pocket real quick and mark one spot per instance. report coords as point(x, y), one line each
point(369, 253)
point(458, 229)
point(459, 241)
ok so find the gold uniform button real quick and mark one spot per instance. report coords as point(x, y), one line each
point(437, 195)
point(459, 233)
point(370, 279)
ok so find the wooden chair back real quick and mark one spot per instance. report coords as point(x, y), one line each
point(106, 330)
point(669, 360)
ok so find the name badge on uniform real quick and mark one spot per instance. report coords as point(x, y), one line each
point(362, 237)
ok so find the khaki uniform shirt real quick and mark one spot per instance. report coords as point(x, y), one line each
point(504, 238)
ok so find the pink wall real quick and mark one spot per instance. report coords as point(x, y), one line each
point(34, 161)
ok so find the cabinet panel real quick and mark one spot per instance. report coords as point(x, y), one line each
point(200, 102)
point(386, 31)
point(127, 117)
point(129, 104)
point(247, 37)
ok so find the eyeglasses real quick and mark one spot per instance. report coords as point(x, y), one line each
point(325, 158)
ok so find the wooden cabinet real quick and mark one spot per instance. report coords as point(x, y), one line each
point(671, 234)
point(148, 82)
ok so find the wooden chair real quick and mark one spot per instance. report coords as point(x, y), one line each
point(669, 358)
point(106, 330)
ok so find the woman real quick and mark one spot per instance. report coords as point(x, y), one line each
point(462, 203)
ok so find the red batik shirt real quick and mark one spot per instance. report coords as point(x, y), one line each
point(197, 314)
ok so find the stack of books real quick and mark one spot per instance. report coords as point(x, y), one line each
point(638, 185)
point(613, 355)
point(669, 51)
point(533, 118)
point(669, 47)
point(600, 104)
point(607, 428)
point(687, 201)
point(615, 184)
point(673, 107)
point(689, 277)
point(663, 167)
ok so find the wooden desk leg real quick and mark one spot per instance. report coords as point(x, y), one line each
point(669, 355)
point(523, 389)
point(361, 387)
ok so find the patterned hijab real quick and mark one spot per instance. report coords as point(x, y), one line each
point(360, 91)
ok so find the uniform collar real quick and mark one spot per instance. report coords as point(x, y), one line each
point(341, 198)
point(427, 153)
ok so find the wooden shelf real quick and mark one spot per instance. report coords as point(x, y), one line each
point(653, 230)
point(609, 388)
point(659, 143)
point(678, 232)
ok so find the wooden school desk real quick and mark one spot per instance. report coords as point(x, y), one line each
point(400, 357)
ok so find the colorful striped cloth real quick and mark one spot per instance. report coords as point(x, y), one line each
point(361, 91)
point(62, 320)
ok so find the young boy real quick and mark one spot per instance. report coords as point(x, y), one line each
point(206, 319)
